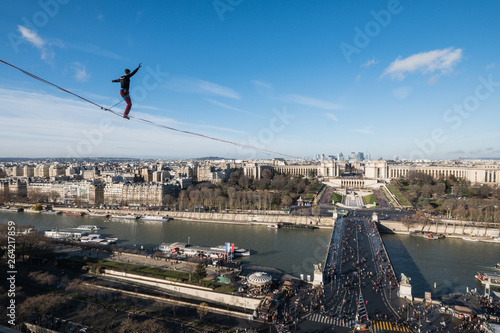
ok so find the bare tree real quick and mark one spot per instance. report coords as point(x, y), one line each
point(153, 326)
point(202, 310)
point(43, 278)
point(39, 306)
point(407, 222)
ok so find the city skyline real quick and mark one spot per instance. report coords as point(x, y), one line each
point(390, 78)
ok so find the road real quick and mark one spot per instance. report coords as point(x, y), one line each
point(359, 286)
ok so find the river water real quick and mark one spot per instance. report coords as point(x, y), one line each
point(450, 262)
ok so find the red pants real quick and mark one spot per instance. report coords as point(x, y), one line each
point(126, 97)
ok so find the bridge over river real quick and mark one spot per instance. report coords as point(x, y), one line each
point(359, 282)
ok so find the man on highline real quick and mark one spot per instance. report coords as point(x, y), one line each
point(124, 92)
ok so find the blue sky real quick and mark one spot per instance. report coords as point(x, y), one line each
point(418, 79)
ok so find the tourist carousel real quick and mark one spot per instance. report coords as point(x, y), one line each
point(259, 283)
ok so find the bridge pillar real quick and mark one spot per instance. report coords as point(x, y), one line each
point(405, 288)
point(318, 275)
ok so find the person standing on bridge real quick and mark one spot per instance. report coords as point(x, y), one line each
point(124, 91)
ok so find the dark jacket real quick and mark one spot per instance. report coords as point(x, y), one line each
point(125, 79)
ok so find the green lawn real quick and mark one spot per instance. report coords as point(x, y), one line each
point(310, 195)
point(336, 197)
point(161, 273)
point(402, 200)
point(147, 271)
point(370, 199)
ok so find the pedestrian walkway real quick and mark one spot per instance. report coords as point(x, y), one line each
point(362, 313)
point(385, 326)
point(331, 321)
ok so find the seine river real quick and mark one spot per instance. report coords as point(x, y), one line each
point(450, 263)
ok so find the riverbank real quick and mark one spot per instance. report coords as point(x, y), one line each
point(452, 229)
point(256, 218)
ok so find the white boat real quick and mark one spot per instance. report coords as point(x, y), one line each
point(88, 227)
point(51, 212)
point(241, 253)
point(100, 240)
point(112, 240)
point(98, 215)
point(90, 238)
point(132, 217)
point(470, 239)
point(497, 265)
point(212, 251)
point(489, 278)
point(65, 234)
point(274, 226)
point(155, 218)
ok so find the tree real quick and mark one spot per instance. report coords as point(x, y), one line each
point(40, 306)
point(202, 310)
point(54, 196)
point(286, 200)
point(407, 222)
point(168, 201)
point(43, 278)
point(449, 205)
point(421, 218)
point(37, 206)
point(200, 272)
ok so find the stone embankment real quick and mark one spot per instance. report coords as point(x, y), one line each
point(191, 291)
point(450, 228)
point(238, 218)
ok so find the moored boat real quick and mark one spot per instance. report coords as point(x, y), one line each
point(155, 218)
point(88, 227)
point(131, 217)
point(274, 226)
point(241, 252)
point(65, 234)
point(90, 238)
point(489, 278)
point(51, 212)
point(11, 209)
point(433, 236)
point(470, 239)
point(219, 251)
point(93, 214)
point(75, 213)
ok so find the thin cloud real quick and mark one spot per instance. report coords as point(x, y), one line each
point(229, 107)
point(366, 130)
point(369, 63)
point(225, 129)
point(332, 116)
point(80, 72)
point(62, 130)
point(38, 42)
point(440, 61)
point(216, 89)
point(92, 49)
point(197, 86)
point(402, 93)
point(311, 102)
point(262, 84)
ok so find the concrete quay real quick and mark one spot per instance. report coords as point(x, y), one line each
point(449, 228)
point(245, 218)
